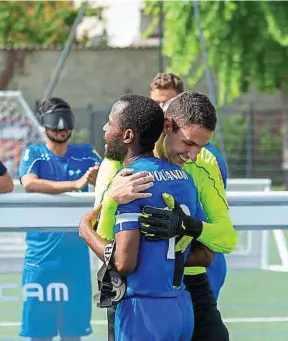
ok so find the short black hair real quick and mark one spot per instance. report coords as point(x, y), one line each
point(143, 115)
point(192, 107)
point(51, 104)
point(165, 81)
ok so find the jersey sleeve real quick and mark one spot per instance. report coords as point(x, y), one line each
point(106, 223)
point(3, 169)
point(218, 232)
point(127, 217)
point(29, 162)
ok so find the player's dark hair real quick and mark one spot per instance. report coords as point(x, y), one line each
point(51, 104)
point(165, 81)
point(192, 107)
point(145, 116)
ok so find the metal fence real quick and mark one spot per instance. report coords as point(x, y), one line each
point(253, 143)
point(253, 139)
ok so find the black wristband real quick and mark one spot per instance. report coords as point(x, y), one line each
point(193, 227)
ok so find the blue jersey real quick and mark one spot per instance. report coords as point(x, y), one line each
point(153, 276)
point(56, 250)
point(3, 169)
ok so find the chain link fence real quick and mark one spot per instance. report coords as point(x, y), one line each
point(253, 143)
point(253, 139)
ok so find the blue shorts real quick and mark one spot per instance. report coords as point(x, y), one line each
point(216, 273)
point(155, 319)
point(66, 312)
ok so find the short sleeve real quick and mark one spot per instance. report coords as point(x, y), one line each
point(29, 162)
point(127, 217)
point(3, 169)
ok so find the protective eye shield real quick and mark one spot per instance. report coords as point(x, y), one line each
point(58, 119)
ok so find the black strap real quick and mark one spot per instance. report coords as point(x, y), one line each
point(179, 265)
point(111, 286)
point(178, 269)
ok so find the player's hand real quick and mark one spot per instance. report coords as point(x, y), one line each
point(126, 187)
point(162, 224)
point(92, 173)
point(87, 222)
point(88, 178)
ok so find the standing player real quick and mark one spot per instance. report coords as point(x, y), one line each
point(181, 142)
point(56, 257)
point(156, 306)
point(6, 183)
point(163, 89)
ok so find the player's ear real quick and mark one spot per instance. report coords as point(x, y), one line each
point(167, 126)
point(128, 136)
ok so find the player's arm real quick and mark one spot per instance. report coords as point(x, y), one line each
point(127, 243)
point(134, 185)
point(6, 183)
point(32, 183)
point(126, 254)
point(199, 255)
point(218, 232)
point(29, 170)
point(86, 232)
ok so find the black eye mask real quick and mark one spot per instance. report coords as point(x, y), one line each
point(58, 119)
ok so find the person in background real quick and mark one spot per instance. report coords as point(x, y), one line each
point(57, 257)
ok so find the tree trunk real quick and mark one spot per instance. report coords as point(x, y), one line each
point(13, 60)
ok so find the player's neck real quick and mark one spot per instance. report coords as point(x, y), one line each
point(57, 148)
point(132, 156)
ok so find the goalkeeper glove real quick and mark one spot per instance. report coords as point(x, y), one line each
point(162, 224)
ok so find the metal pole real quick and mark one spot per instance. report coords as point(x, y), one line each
point(208, 76)
point(61, 61)
point(161, 33)
point(92, 123)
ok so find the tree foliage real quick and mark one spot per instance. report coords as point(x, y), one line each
point(247, 43)
point(36, 22)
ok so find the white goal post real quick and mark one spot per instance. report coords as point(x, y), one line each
point(18, 127)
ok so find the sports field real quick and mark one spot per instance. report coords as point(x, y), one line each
point(253, 303)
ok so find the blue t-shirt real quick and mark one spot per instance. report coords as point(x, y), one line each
point(3, 169)
point(57, 250)
point(153, 276)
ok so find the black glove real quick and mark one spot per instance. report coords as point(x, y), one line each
point(158, 224)
point(162, 224)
